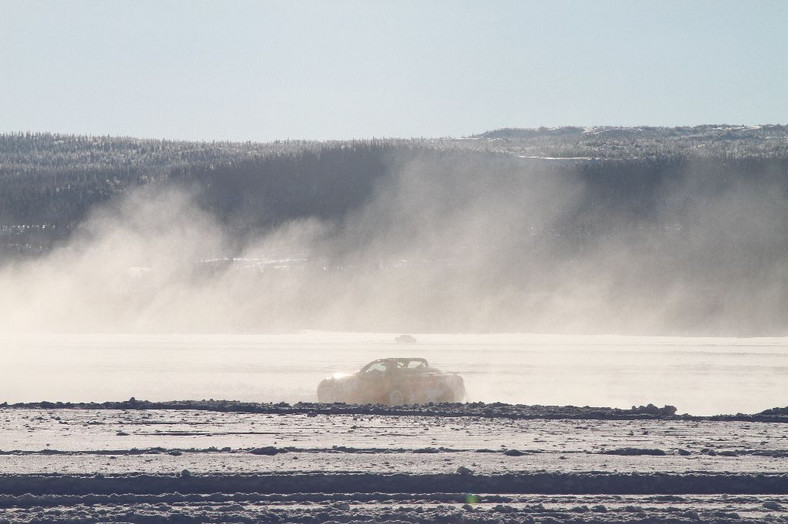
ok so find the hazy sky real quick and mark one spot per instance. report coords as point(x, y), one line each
point(266, 70)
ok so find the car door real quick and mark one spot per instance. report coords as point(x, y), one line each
point(372, 383)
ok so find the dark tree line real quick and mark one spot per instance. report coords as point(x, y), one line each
point(48, 182)
point(264, 191)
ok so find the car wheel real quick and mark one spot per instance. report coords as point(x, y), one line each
point(396, 398)
point(446, 397)
point(327, 394)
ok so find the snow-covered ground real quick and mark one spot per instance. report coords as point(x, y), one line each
point(700, 376)
point(361, 464)
point(211, 461)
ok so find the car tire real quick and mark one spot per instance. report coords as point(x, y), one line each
point(327, 394)
point(396, 397)
point(446, 398)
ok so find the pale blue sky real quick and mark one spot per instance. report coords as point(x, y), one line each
point(266, 70)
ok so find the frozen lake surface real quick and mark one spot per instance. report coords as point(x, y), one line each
point(699, 375)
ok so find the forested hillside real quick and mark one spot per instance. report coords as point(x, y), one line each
point(644, 230)
point(49, 182)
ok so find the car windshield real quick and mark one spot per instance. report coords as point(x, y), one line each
point(393, 365)
point(377, 367)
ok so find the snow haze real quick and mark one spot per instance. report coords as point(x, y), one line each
point(437, 248)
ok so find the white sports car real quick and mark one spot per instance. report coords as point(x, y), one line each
point(393, 381)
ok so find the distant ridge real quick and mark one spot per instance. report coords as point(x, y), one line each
point(515, 132)
point(709, 131)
